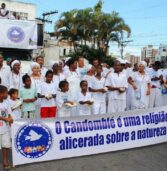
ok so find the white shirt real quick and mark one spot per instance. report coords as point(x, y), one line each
point(152, 73)
point(16, 113)
point(57, 79)
point(5, 75)
point(117, 80)
point(44, 89)
point(82, 71)
point(16, 80)
point(74, 84)
point(98, 84)
point(4, 112)
point(84, 109)
point(43, 71)
point(61, 98)
point(4, 12)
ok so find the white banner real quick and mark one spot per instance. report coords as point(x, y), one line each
point(43, 140)
point(20, 34)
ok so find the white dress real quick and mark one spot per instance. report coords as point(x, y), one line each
point(16, 80)
point(84, 109)
point(36, 82)
point(140, 99)
point(99, 106)
point(63, 110)
point(116, 100)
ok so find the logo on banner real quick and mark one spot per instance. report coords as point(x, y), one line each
point(34, 139)
point(16, 34)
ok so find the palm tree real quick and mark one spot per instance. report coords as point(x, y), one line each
point(66, 28)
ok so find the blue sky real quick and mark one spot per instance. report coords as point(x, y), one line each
point(147, 18)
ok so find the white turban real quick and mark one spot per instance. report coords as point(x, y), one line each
point(14, 62)
point(143, 63)
point(34, 64)
point(52, 62)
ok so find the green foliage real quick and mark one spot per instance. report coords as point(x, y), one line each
point(93, 27)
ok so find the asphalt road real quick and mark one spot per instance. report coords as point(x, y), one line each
point(152, 158)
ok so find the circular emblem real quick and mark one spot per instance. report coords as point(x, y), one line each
point(33, 139)
point(16, 34)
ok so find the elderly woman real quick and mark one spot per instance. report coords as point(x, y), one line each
point(15, 78)
point(141, 85)
point(36, 79)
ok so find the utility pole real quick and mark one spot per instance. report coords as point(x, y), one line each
point(122, 45)
point(47, 14)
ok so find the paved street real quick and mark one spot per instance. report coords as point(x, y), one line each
point(153, 158)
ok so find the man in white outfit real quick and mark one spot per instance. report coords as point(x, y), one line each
point(117, 84)
point(4, 72)
point(156, 76)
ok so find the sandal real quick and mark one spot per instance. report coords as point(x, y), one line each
point(6, 167)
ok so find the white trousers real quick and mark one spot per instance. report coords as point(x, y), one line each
point(115, 105)
point(99, 107)
point(156, 98)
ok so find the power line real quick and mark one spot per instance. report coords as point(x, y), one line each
point(146, 8)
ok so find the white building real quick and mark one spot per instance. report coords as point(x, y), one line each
point(162, 53)
point(149, 52)
point(26, 11)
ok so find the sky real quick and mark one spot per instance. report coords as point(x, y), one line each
point(146, 18)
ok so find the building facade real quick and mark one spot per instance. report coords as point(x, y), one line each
point(149, 52)
point(26, 11)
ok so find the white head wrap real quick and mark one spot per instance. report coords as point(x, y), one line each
point(52, 62)
point(34, 64)
point(143, 63)
point(14, 62)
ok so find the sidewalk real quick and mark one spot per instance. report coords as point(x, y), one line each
point(152, 158)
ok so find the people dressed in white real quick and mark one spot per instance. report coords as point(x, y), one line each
point(63, 99)
point(117, 85)
point(3, 11)
point(15, 79)
point(156, 76)
point(98, 90)
point(4, 73)
point(85, 100)
point(82, 68)
point(57, 75)
point(74, 82)
point(36, 80)
point(141, 84)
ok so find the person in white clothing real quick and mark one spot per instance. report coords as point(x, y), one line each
point(3, 11)
point(15, 104)
point(98, 90)
point(84, 100)
point(36, 80)
point(117, 84)
point(141, 85)
point(156, 75)
point(81, 69)
point(16, 75)
point(73, 79)
point(57, 75)
point(4, 73)
point(47, 93)
point(5, 121)
point(63, 100)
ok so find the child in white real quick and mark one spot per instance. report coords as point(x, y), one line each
point(117, 85)
point(15, 104)
point(47, 93)
point(98, 90)
point(84, 100)
point(62, 99)
point(5, 121)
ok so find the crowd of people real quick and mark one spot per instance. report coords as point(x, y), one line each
point(6, 14)
point(75, 87)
